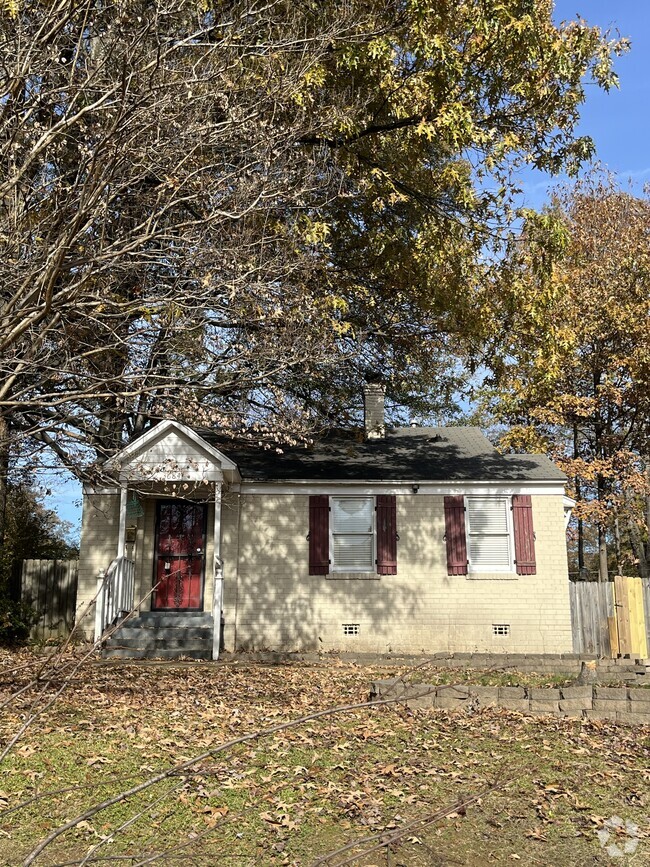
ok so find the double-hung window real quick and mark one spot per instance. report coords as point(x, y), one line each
point(489, 534)
point(352, 529)
point(352, 534)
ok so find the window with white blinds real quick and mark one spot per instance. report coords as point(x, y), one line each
point(352, 529)
point(488, 534)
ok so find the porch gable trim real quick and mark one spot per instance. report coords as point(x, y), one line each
point(127, 455)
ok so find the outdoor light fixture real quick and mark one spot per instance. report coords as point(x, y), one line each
point(415, 488)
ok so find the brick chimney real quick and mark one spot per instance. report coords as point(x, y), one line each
point(373, 410)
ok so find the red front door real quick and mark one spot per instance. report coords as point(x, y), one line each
point(179, 556)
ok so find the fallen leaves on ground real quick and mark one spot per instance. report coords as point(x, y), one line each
point(296, 795)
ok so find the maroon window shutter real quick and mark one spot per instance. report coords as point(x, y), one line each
point(386, 534)
point(522, 519)
point(455, 536)
point(319, 535)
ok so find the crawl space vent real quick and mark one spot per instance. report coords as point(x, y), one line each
point(500, 629)
point(350, 629)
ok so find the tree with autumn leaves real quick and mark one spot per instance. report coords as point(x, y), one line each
point(574, 379)
point(227, 213)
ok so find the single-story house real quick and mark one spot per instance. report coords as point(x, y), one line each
point(412, 539)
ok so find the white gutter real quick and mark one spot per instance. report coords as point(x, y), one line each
point(410, 486)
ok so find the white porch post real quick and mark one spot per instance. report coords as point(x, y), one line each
point(121, 537)
point(99, 605)
point(217, 596)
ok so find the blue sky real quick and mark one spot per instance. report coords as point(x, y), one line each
point(618, 122)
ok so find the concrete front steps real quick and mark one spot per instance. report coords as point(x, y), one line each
point(162, 635)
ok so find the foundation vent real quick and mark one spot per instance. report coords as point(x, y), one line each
point(350, 628)
point(500, 629)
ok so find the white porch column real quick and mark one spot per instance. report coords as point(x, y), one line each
point(99, 605)
point(217, 596)
point(121, 537)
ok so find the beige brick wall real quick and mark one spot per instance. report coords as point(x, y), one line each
point(277, 604)
point(98, 546)
point(230, 515)
point(270, 600)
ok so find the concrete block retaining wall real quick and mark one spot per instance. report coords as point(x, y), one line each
point(619, 704)
point(632, 671)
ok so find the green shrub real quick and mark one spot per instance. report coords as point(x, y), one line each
point(16, 620)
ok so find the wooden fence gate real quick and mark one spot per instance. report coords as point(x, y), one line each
point(592, 607)
point(610, 618)
point(630, 618)
point(50, 587)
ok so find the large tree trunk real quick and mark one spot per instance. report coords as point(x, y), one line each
point(603, 568)
point(647, 513)
point(581, 526)
point(582, 569)
point(599, 430)
point(617, 544)
point(636, 540)
point(4, 477)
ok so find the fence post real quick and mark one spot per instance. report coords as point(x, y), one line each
point(645, 583)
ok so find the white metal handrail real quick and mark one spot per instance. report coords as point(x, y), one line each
point(115, 594)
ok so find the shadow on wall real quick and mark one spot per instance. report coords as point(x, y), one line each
point(280, 606)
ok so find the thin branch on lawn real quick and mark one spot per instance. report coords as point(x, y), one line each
point(126, 824)
point(71, 667)
point(118, 778)
point(49, 661)
point(149, 859)
point(387, 840)
point(52, 793)
point(181, 846)
point(165, 775)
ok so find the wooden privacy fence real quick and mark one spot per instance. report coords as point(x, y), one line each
point(630, 637)
point(50, 587)
point(610, 618)
point(592, 605)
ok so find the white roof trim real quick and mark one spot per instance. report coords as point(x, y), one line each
point(93, 489)
point(545, 488)
point(159, 431)
point(569, 505)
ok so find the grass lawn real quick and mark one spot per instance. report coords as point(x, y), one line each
point(516, 789)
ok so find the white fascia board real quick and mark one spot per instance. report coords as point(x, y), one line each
point(158, 432)
point(345, 486)
point(569, 505)
point(92, 489)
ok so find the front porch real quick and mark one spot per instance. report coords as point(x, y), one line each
point(166, 574)
point(170, 635)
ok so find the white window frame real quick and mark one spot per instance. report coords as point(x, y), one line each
point(373, 533)
point(478, 567)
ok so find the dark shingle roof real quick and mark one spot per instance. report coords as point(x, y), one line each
point(405, 454)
